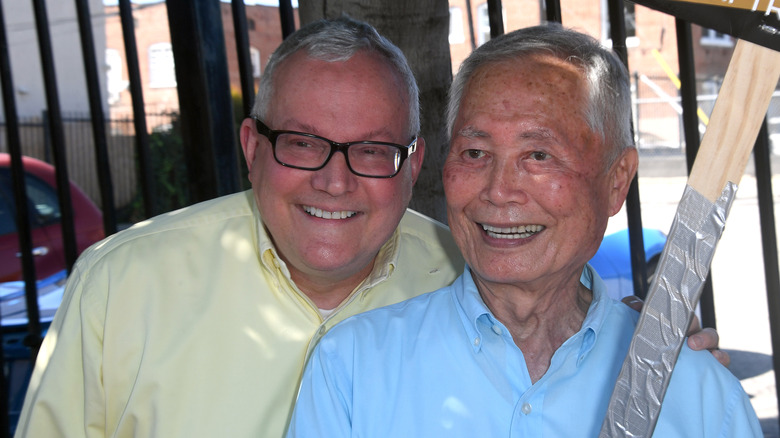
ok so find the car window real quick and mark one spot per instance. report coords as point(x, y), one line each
point(43, 199)
point(7, 222)
point(42, 202)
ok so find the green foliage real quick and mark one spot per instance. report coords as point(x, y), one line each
point(168, 168)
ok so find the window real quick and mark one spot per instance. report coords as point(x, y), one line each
point(162, 73)
point(711, 37)
point(483, 24)
point(254, 55)
point(250, 24)
point(41, 199)
point(630, 16)
point(114, 75)
point(457, 35)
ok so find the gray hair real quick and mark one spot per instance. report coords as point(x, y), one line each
point(339, 40)
point(609, 104)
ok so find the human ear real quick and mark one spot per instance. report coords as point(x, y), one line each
point(416, 159)
point(622, 174)
point(249, 140)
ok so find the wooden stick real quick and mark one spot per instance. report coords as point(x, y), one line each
point(739, 111)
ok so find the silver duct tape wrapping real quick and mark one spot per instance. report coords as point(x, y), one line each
point(682, 271)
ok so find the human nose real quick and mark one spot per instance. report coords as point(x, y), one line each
point(335, 178)
point(505, 183)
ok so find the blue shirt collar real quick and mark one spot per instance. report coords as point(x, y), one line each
point(471, 308)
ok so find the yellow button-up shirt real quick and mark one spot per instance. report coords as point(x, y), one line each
point(188, 325)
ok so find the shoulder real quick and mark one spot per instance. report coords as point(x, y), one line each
point(705, 398)
point(416, 228)
point(396, 321)
point(426, 241)
point(159, 230)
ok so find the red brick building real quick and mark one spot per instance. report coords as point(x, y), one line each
point(155, 57)
point(652, 52)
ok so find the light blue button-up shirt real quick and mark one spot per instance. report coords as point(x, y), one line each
point(441, 365)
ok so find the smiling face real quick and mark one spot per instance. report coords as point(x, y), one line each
point(527, 186)
point(328, 225)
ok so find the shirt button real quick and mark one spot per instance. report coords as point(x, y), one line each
point(526, 408)
point(496, 329)
point(476, 342)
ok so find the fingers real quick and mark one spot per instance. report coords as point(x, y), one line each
point(633, 302)
point(722, 356)
point(708, 339)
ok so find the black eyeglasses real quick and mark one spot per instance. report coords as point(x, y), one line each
point(300, 150)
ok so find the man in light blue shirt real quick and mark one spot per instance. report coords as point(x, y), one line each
point(526, 342)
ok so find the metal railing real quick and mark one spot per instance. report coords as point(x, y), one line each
point(206, 127)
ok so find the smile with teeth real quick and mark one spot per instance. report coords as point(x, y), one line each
point(520, 232)
point(328, 214)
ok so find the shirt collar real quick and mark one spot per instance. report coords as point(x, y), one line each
point(472, 308)
point(384, 264)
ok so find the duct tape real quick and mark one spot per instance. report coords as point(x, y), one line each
point(682, 271)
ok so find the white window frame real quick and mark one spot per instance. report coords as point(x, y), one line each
point(114, 81)
point(710, 37)
point(457, 35)
point(483, 23)
point(631, 40)
point(254, 56)
point(162, 70)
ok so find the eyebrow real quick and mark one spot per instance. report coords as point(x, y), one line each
point(471, 132)
point(536, 133)
point(306, 128)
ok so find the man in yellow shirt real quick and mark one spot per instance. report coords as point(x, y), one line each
point(197, 323)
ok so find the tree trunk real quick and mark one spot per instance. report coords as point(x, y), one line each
point(420, 28)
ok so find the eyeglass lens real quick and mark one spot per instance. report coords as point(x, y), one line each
point(364, 158)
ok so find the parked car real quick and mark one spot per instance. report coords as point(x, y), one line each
point(44, 213)
point(613, 260)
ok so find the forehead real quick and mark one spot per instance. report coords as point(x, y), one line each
point(539, 98)
point(537, 78)
point(361, 91)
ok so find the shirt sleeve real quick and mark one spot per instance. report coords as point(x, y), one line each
point(324, 404)
point(740, 416)
point(65, 397)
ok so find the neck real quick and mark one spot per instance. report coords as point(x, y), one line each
point(540, 321)
point(328, 291)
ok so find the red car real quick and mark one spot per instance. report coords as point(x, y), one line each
point(44, 213)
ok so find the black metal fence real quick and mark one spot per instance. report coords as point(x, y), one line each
point(35, 140)
point(123, 165)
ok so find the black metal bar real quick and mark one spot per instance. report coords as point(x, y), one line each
point(206, 109)
point(692, 138)
point(139, 112)
point(57, 137)
point(763, 165)
point(287, 18)
point(552, 10)
point(98, 117)
point(470, 16)
point(244, 58)
point(495, 18)
point(22, 214)
point(617, 20)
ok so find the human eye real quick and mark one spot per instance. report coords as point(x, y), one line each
point(301, 143)
point(474, 154)
point(539, 156)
